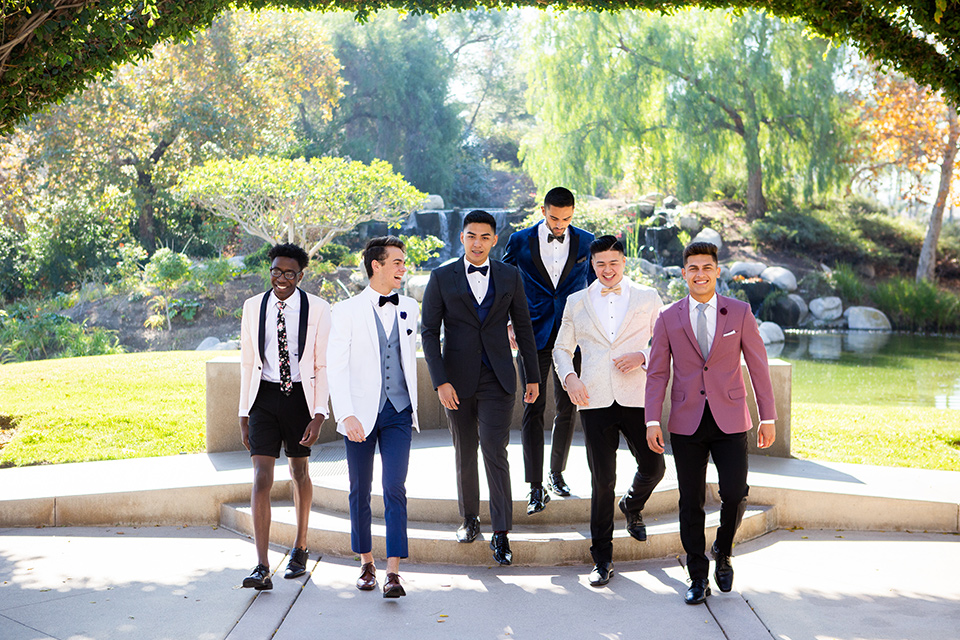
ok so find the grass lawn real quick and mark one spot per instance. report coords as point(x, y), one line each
point(103, 407)
point(919, 437)
point(153, 404)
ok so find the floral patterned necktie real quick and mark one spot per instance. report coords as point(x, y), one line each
point(286, 380)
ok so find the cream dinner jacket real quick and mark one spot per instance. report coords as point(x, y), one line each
point(313, 360)
point(581, 327)
point(353, 355)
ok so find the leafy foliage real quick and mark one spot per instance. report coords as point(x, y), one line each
point(419, 250)
point(680, 104)
point(307, 202)
point(28, 334)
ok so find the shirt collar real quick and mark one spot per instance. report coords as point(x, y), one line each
point(292, 302)
point(467, 264)
point(712, 302)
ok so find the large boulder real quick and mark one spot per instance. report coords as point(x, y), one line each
point(756, 292)
point(827, 308)
point(867, 318)
point(802, 304)
point(643, 208)
point(673, 272)
point(747, 269)
point(671, 202)
point(711, 236)
point(780, 277)
point(771, 332)
point(208, 344)
point(432, 201)
point(786, 312)
point(662, 245)
point(649, 268)
point(416, 285)
point(229, 345)
point(689, 222)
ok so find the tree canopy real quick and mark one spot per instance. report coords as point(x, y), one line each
point(307, 202)
point(50, 48)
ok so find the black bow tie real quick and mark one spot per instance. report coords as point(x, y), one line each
point(393, 299)
point(560, 238)
point(482, 270)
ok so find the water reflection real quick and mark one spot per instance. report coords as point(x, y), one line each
point(877, 369)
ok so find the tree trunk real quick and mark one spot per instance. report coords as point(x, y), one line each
point(145, 193)
point(750, 127)
point(928, 254)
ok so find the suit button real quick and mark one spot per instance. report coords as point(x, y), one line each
point(479, 350)
point(706, 368)
point(702, 392)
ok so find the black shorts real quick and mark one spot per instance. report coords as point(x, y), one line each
point(276, 418)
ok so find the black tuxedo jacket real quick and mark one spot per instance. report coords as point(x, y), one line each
point(449, 302)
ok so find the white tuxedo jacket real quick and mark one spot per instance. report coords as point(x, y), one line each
point(581, 327)
point(314, 330)
point(353, 359)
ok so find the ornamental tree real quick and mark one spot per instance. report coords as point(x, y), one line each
point(301, 201)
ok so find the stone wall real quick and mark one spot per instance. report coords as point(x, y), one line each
point(223, 398)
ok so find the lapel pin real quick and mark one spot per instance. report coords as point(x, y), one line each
point(409, 331)
point(403, 315)
point(723, 311)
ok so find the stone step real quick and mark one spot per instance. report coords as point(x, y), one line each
point(559, 510)
point(532, 544)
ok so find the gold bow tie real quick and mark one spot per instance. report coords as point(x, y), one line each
point(607, 290)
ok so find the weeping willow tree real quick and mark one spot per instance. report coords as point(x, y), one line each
point(690, 103)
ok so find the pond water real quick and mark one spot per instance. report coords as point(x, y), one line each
point(876, 369)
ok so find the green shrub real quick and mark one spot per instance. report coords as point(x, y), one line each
point(167, 269)
point(258, 258)
point(848, 285)
point(815, 284)
point(766, 307)
point(419, 250)
point(917, 306)
point(27, 334)
point(214, 272)
point(332, 252)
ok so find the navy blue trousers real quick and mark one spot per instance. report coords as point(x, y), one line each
point(392, 432)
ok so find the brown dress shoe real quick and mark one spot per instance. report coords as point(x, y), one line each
point(392, 587)
point(368, 577)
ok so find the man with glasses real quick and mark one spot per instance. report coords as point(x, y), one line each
point(283, 397)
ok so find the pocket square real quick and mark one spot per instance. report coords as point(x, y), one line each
point(729, 333)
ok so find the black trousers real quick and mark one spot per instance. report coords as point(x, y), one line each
point(601, 433)
point(484, 420)
point(690, 453)
point(531, 434)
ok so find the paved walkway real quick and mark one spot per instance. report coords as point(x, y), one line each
point(177, 583)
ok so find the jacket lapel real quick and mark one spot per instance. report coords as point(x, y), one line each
point(592, 313)
point(683, 309)
point(304, 315)
point(721, 323)
point(574, 241)
point(262, 328)
point(632, 302)
point(537, 259)
point(462, 287)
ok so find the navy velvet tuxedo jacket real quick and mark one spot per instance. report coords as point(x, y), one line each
point(545, 302)
point(449, 302)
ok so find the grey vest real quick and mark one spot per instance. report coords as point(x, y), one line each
point(393, 384)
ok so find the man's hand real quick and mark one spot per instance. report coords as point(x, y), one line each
point(245, 432)
point(312, 432)
point(766, 434)
point(513, 337)
point(655, 439)
point(629, 361)
point(448, 396)
point(576, 390)
point(533, 390)
point(354, 429)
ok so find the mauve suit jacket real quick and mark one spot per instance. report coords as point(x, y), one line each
point(718, 380)
point(314, 330)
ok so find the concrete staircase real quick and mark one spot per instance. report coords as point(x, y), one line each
point(558, 535)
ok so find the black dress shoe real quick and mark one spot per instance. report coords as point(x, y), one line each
point(392, 587)
point(297, 566)
point(501, 548)
point(698, 591)
point(635, 526)
point(469, 530)
point(601, 574)
point(538, 500)
point(723, 571)
point(368, 577)
point(557, 485)
point(259, 579)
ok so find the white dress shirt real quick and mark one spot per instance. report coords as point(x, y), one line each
point(554, 254)
point(611, 308)
point(271, 347)
point(387, 313)
point(477, 281)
